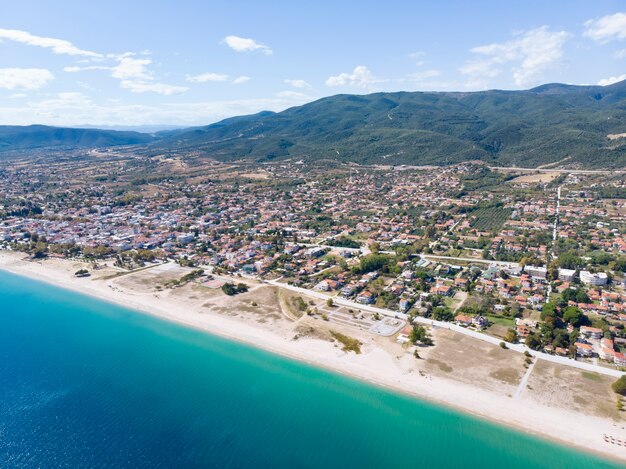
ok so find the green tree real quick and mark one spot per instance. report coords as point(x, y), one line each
point(533, 342)
point(619, 386)
point(574, 316)
point(511, 336)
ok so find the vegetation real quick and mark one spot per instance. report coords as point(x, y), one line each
point(232, 289)
point(517, 128)
point(619, 386)
point(419, 334)
point(350, 344)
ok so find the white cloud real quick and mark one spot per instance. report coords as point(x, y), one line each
point(74, 109)
point(18, 96)
point(298, 83)
point(205, 77)
point(242, 44)
point(130, 68)
point(75, 69)
point(147, 86)
point(607, 28)
point(134, 74)
point(241, 79)
point(361, 77)
point(58, 46)
point(530, 54)
point(611, 80)
point(24, 78)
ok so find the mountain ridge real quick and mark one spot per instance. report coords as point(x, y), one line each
point(527, 128)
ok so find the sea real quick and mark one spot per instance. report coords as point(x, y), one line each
point(88, 384)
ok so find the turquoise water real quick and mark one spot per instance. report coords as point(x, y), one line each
point(87, 384)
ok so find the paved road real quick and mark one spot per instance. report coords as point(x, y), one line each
point(548, 170)
point(470, 259)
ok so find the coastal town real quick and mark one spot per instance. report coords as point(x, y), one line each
point(538, 259)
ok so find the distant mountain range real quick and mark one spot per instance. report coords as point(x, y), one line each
point(575, 125)
point(31, 137)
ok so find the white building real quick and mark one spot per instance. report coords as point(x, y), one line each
point(536, 271)
point(588, 278)
point(566, 275)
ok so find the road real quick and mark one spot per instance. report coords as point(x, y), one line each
point(470, 259)
point(547, 170)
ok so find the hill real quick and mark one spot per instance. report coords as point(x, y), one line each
point(547, 124)
point(41, 136)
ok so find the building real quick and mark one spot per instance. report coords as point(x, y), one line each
point(463, 320)
point(597, 279)
point(591, 332)
point(584, 350)
point(567, 275)
point(536, 272)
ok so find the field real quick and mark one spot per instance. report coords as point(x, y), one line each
point(491, 218)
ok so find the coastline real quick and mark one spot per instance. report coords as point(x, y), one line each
point(375, 366)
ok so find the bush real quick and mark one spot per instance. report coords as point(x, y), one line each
point(619, 386)
point(503, 345)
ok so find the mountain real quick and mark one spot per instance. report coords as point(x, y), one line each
point(31, 137)
point(547, 124)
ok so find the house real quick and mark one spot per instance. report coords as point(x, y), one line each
point(460, 282)
point(463, 320)
point(348, 290)
point(405, 335)
point(584, 350)
point(365, 298)
point(404, 304)
point(591, 332)
point(480, 322)
point(619, 359)
point(522, 330)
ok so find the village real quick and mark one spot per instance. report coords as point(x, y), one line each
point(535, 259)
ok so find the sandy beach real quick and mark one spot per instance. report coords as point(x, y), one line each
point(511, 396)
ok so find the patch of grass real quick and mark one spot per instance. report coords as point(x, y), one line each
point(350, 344)
point(441, 365)
point(591, 376)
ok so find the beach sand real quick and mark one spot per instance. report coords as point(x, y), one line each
point(460, 372)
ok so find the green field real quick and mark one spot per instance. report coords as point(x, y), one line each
point(491, 218)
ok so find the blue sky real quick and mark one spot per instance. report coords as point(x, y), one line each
point(190, 62)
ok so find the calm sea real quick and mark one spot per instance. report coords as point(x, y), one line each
point(87, 384)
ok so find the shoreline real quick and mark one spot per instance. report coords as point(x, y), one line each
point(578, 431)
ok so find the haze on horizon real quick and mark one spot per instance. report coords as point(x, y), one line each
point(121, 64)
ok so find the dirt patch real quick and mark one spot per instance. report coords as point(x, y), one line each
point(534, 178)
point(569, 388)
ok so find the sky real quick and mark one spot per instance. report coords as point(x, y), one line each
point(184, 63)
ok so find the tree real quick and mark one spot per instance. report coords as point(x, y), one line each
point(419, 334)
point(229, 289)
point(619, 386)
point(569, 260)
point(511, 336)
point(574, 316)
point(442, 313)
point(242, 288)
point(548, 310)
point(330, 303)
point(533, 342)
